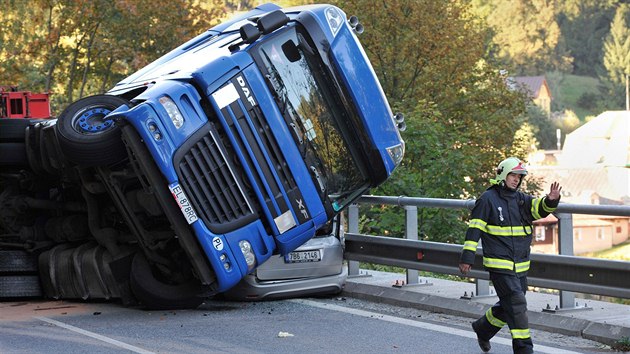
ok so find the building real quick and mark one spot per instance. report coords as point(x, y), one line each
point(593, 167)
point(537, 89)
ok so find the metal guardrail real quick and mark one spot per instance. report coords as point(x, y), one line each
point(578, 274)
point(564, 272)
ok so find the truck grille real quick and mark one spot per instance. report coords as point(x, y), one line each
point(212, 183)
point(249, 132)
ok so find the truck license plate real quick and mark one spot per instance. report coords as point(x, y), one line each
point(303, 257)
point(183, 202)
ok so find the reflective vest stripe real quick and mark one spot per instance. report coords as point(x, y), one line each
point(535, 208)
point(470, 246)
point(520, 333)
point(509, 230)
point(548, 209)
point(522, 267)
point(498, 263)
point(493, 320)
point(500, 230)
point(478, 224)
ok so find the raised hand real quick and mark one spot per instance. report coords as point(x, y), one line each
point(554, 191)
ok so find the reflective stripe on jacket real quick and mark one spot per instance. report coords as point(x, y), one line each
point(502, 220)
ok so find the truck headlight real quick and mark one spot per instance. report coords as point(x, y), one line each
point(173, 112)
point(335, 20)
point(248, 253)
point(396, 153)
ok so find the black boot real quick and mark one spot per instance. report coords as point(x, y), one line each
point(483, 344)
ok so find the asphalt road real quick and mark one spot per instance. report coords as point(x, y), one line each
point(291, 326)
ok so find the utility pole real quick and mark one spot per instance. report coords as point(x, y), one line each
point(627, 94)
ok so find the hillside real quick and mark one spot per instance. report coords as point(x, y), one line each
point(567, 89)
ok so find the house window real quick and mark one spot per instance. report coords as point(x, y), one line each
point(577, 235)
point(600, 233)
point(618, 229)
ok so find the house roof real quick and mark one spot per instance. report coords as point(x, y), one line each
point(595, 161)
point(579, 185)
point(533, 84)
point(604, 141)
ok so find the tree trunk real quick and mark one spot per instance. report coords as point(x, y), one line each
point(73, 68)
point(107, 73)
point(88, 56)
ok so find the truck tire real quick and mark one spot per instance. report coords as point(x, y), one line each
point(156, 295)
point(16, 261)
point(18, 275)
point(19, 286)
point(87, 137)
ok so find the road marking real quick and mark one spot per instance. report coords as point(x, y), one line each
point(433, 327)
point(95, 336)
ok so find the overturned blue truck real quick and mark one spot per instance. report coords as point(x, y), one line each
point(242, 143)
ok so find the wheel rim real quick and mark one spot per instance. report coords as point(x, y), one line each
point(93, 120)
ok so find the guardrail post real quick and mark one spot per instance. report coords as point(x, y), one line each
point(411, 233)
point(353, 227)
point(482, 287)
point(565, 247)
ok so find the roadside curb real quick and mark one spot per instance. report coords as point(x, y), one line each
point(600, 332)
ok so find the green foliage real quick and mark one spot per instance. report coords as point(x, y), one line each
point(622, 345)
point(584, 25)
point(543, 129)
point(619, 252)
point(458, 110)
point(617, 46)
point(527, 35)
point(567, 89)
point(524, 141)
point(76, 48)
point(568, 121)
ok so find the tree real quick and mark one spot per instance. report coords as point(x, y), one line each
point(527, 35)
point(524, 141)
point(76, 48)
point(430, 59)
point(543, 128)
point(617, 49)
point(584, 25)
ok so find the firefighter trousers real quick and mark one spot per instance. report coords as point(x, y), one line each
point(511, 310)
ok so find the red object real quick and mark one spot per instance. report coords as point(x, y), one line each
point(23, 104)
point(420, 255)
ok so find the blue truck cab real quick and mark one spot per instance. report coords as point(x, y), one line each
point(237, 145)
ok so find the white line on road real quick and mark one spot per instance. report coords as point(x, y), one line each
point(95, 336)
point(433, 327)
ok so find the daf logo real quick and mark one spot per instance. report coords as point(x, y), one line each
point(300, 204)
point(246, 91)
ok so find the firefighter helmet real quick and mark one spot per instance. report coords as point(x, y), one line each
point(509, 165)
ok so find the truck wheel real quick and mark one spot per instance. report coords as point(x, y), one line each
point(18, 275)
point(87, 136)
point(156, 295)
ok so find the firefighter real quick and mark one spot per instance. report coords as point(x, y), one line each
point(502, 218)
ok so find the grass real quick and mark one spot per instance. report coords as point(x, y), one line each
point(620, 252)
point(566, 89)
point(622, 345)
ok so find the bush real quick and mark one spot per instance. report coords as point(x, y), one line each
point(588, 101)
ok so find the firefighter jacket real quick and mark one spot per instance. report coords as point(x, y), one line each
point(502, 220)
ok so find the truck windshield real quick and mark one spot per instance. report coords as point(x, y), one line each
point(319, 121)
